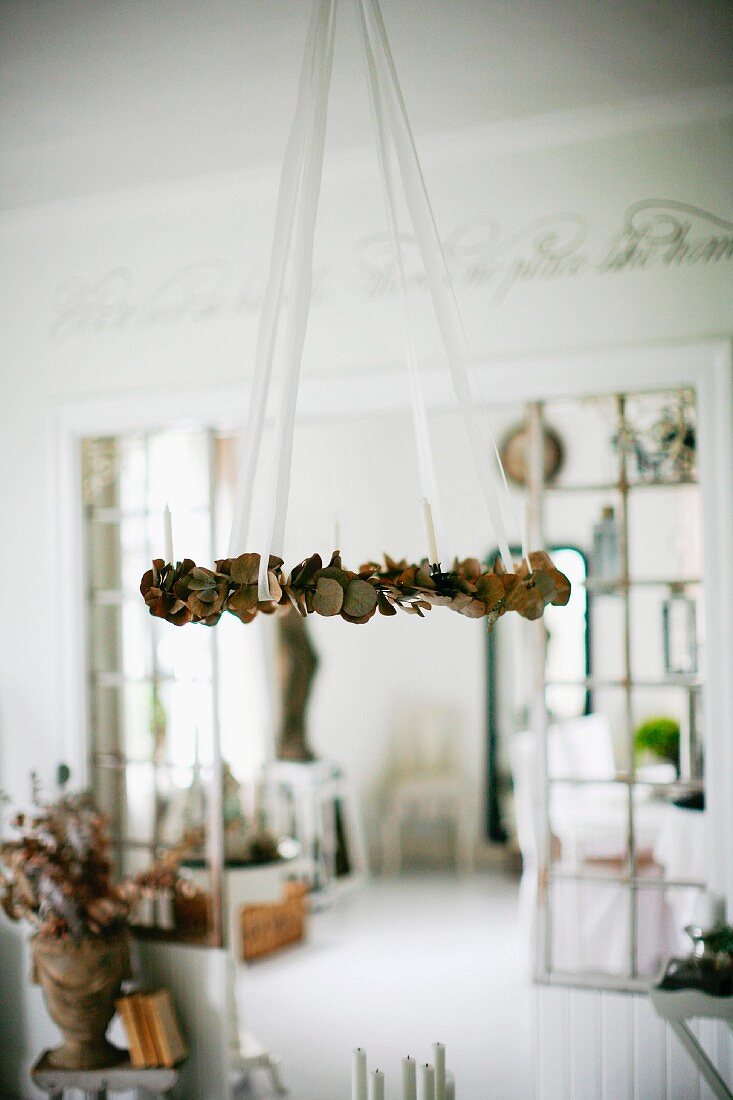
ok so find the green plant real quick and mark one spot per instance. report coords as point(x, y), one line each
point(661, 737)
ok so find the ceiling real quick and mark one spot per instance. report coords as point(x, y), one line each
point(103, 94)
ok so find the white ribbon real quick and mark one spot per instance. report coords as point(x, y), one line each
point(445, 304)
point(292, 241)
point(425, 459)
point(284, 316)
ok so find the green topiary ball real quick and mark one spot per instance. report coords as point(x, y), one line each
point(661, 737)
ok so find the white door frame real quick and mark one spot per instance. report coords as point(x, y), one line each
point(706, 365)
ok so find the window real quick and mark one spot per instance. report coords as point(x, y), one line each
point(156, 694)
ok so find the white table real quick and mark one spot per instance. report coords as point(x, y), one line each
point(95, 1084)
point(677, 1006)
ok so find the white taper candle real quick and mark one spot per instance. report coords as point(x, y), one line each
point(439, 1060)
point(427, 515)
point(450, 1088)
point(426, 1082)
point(409, 1079)
point(336, 533)
point(359, 1075)
point(168, 533)
point(376, 1085)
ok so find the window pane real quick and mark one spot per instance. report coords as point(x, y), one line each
point(589, 823)
point(662, 916)
point(178, 472)
point(590, 927)
point(142, 806)
point(105, 720)
point(104, 555)
point(106, 637)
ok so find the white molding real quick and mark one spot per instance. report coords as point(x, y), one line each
point(366, 390)
point(463, 145)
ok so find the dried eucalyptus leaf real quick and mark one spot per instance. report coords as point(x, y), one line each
point(335, 573)
point(562, 588)
point(434, 599)
point(245, 569)
point(360, 598)
point(423, 577)
point(329, 597)
point(460, 601)
point(515, 597)
point(475, 609)
point(243, 598)
point(308, 569)
point(275, 589)
point(357, 620)
point(490, 589)
point(470, 568)
point(384, 605)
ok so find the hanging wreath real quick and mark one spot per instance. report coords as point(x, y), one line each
point(185, 592)
point(189, 593)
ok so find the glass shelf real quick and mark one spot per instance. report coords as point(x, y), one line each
point(680, 681)
point(618, 587)
point(618, 486)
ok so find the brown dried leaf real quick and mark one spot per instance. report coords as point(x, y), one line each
point(384, 605)
point(305, 572)
point(475, 609)
point(490, 589)
point(336, 573)
point(563, 589)
point(329, 597)
point(470, 568)
point(360, 599)
point(423, 577)
point(243, 599)
point(275, 589)
point(245, 569)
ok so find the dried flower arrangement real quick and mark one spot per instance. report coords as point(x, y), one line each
point(188, 593)
point(57, 873)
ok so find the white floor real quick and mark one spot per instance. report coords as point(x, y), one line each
point(392, 968)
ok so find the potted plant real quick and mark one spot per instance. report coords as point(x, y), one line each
point(660, 738)
point(56, 875)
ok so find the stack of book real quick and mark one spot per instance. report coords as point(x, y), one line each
point(152, 1030)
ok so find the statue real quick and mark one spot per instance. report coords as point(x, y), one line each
point(298, 664)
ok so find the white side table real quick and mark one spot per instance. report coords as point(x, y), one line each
point(314, 803)
point(95, 1084)
point(677, 1006)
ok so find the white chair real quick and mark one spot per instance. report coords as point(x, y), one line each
point(428, 788)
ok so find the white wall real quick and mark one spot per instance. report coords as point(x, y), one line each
point(154, 293)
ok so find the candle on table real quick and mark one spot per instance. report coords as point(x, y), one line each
point(439, 1060)
point(426, 1081)
point(168, 532)
point(427, 514)
point(336, 533)
point(359, 1075)
point(450, 1088)
point(376, 1085)
point(409, 1079)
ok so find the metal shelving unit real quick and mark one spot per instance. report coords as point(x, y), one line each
point(619, 589)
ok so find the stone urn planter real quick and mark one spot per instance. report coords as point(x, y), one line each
point(81, 982)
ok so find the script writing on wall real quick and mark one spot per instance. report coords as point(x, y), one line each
point(653, 234)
